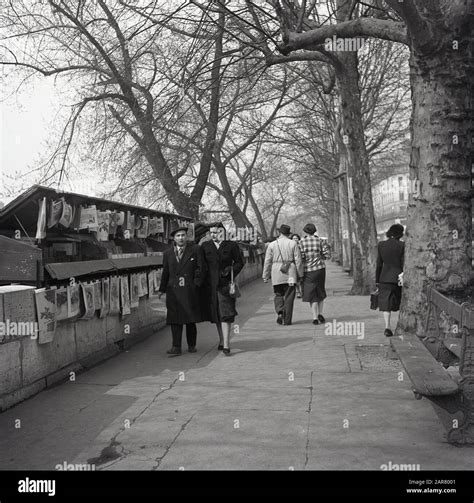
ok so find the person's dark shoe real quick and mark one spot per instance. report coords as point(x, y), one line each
point(315, 322)
point(220, 347)
point(192, 349)
point(280, 319)
point(321, 318)
point(388, 333)
point(174, 351)
point(226, 351)
point(287, 323)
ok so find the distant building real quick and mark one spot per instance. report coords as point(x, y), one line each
point(390, 197)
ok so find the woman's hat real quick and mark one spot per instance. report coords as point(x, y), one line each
point(200, 230)
point(284, 229)
point(309, 229)
point(176, 228)
point(395, 231)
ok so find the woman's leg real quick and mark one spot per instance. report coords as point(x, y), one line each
point(219, 331)
point(226, 326)
point(314, 309)
point(320, 307)
point(386, 316)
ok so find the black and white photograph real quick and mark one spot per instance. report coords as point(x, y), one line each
point(247, 230)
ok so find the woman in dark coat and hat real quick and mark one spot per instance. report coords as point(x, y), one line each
point(391, 254)
point(221, 257)
point(183, 274)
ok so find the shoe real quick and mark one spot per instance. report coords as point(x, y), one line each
point(315, 322)
point(220, 347)
point(192, 349)
point(388, 333)
point(280, 319)
point(287, 323)
point(226, 351)
point(298, 296)
point(321, 318)
point(174, 351)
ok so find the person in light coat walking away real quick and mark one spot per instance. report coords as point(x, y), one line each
point(284, 265)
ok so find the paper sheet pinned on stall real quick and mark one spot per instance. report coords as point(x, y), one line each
point(88, 299)
point(114, 307)
point(125, 295)
point(134, 290)
point(46, 312)
point(105, 307)
point(73, 301)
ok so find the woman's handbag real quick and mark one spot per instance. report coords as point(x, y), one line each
point(374, 299)
point(234, 290)
point(285, 267)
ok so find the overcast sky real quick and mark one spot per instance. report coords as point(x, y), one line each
point(27, 120)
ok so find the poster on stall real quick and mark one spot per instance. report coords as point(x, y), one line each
point(151, 283)
point(153, 226)
point(160, 225)
point(105, 307)
point(135, 290)
point(103, 219)
point(55, 213)
point(61, 304)
point(113, 223)
point(89, 218)
point(46, 312)
point(143, 284)
point(114, 295)
point(66, 215)
point(88, 298)
point(73, 301)
point(97, 294)
point(41, 222)
point(124, 295)
point(142, 231)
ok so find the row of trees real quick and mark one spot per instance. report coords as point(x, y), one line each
point(246, 107)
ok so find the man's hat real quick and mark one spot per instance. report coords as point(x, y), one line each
point(284, 229)
point(176, 228)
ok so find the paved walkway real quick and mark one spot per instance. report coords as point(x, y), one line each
point(289, 397)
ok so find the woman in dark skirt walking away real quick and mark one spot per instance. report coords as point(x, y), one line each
point(390, 258)
point(314, 251)
point(222, 257)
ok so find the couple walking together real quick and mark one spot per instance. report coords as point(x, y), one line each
point(196, 280)
point(288, 262)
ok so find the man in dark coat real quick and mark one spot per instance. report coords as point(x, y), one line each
point(221, 257)
point(183, 274)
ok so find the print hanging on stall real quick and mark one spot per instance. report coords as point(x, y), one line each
point(125, 295)
point(114, 295)
point(135, 290)
point(73, 301)
point(143, 284)
point(104, 310)
point(46, 312)
point(55, 213)
point(151, 283)
point(97, 294)
point(61, 304)
point(66, 215)
point(88, 299)
point(103, 219)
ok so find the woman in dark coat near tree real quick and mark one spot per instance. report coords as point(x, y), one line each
point(390, 258)
point(183, 274)
point(221, 256)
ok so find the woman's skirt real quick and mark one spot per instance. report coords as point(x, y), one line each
point(314, 286)
point(390, 295)
point(226, 305)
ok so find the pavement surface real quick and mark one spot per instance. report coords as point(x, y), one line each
point(299, 397)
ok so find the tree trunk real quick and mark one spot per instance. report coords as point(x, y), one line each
point(439, 227)
point(363, 236)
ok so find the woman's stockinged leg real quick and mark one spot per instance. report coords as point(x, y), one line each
point(386, 316)
point(226, 326)
point(320, 307)
point(314, 309)
point(219, 331)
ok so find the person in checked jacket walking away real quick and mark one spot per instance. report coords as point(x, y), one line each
point(283, 255)
point(314, 252)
